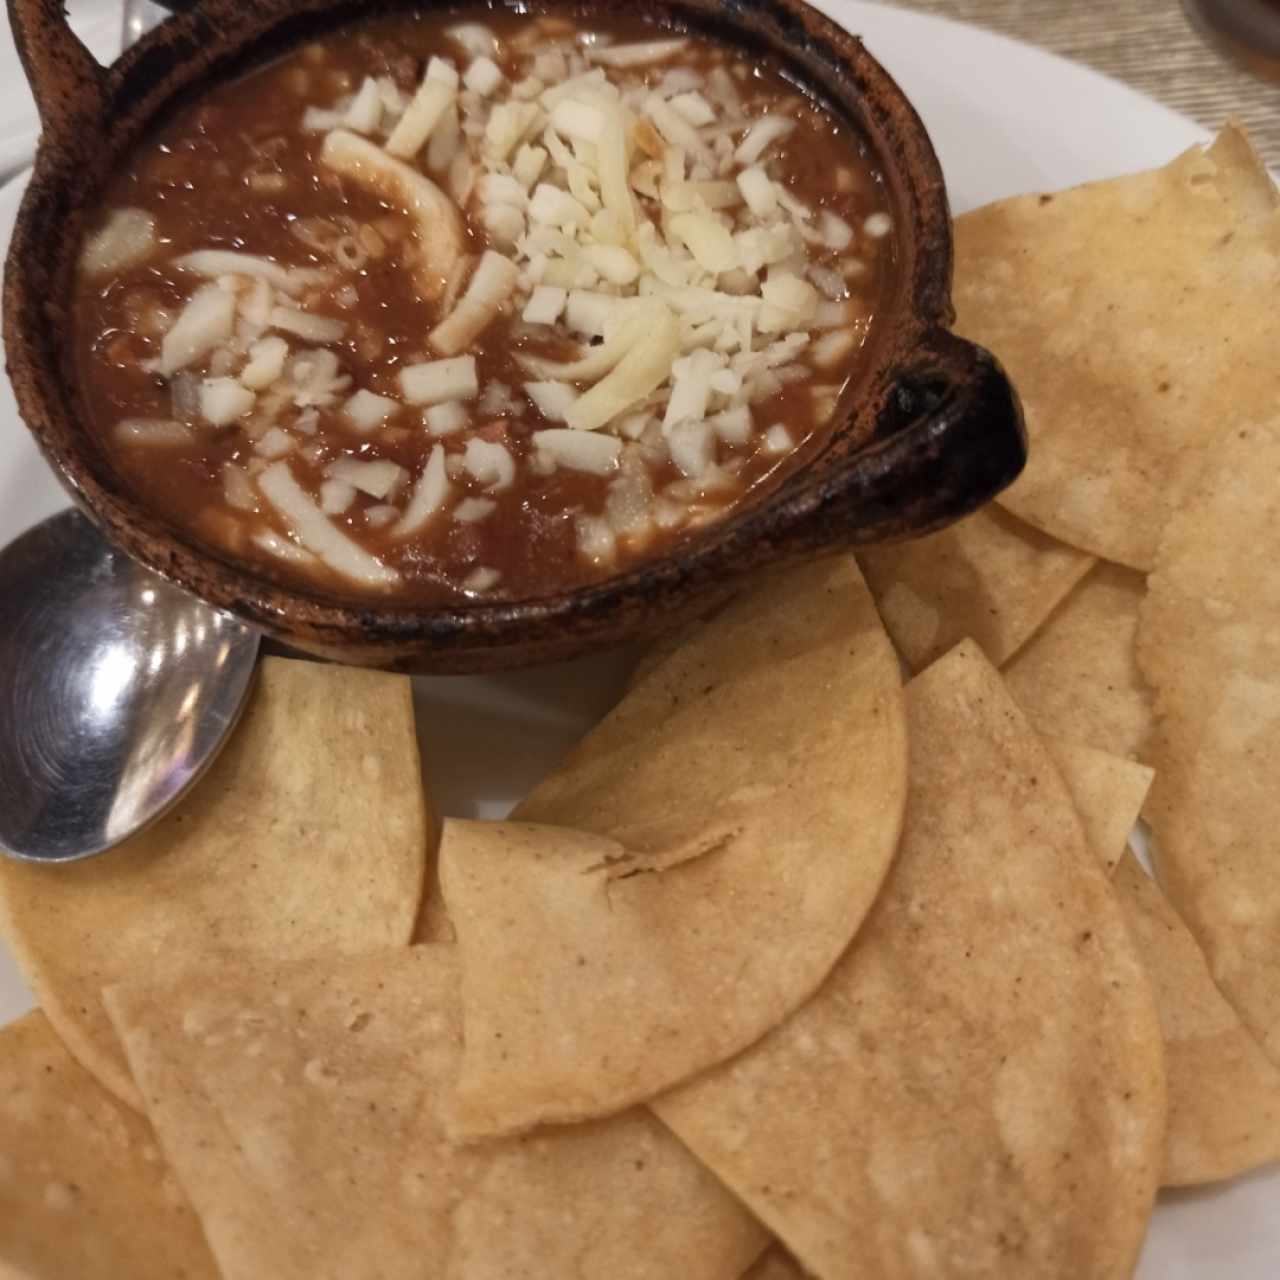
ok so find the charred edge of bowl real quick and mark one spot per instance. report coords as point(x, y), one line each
point(804, 513)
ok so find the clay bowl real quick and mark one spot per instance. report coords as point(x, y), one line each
point(932, 431)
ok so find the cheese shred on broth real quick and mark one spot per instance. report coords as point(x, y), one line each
point(467, 306)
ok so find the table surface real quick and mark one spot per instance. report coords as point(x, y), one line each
point(1147, 43)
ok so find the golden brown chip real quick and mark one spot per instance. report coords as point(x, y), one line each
point(84, 1193)
point(1108, 792)
point(307, 836)
point(1224, 1092)
point(302, 1107)
point(734, 818)
point(990, 578)
point(981, 1077)
point(1078, 676)
point(1137, 318)
point(1209, 643)
point(774, 1265)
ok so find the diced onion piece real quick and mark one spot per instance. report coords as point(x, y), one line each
point(366, 410)
point(446, 142)
point(481, 580)
point(504, 223)
point(321, 119)
point(674, 128)
point(380, 516)
point(475, 38)
point(472, 510)
point(614, 263)
point(377, 476)
point(205, 322)
point(435, 381)
point(163, 432)
point(429, 495)
point(270, 541)
point(555, 207)
point(274, 443)
point(761, 136)
point(837, 234)
point(493, 283)
point(552, 399)
point(692, 446)
point(489, 463)
point(434, 97)
point(315, 531)
point(591, 313)
point(579, 450)
point(641, 371)
point(733, 426)
point(306, 325)
point(127, 238)
point(444, 419)
point(483, 76)
point(708, 239)
point(613, 169)
point(833, 347)
point(237, 488)
point(642, 317)
point(545, 305)
point(596, 540)
point(364, 114)
point(266, 363)
point(336, 496)
point(223, 400)
point(577, 119)
point(507, 126)
point(777, 440)
point(640, 54)
point(528, 165)
point(797, 298)
point(757, 190)
point(213, 263)
point(691, 387)
point(878, 225)
point(438, 222)
point(694, 107)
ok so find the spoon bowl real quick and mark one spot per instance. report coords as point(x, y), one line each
point(116, 691)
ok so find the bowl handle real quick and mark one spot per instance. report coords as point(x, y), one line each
point(949, 437)
point(68, 84)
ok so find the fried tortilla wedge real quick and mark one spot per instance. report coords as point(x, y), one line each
point(84, 1193)
point(1078, 676)
point(1209, 644)
point(732, 821)
point(308, 835)
point(1137, 318)
point(774, 1265)
point(301, 1106)
point(1108, 792)
point(978, 1089)
point(1224, 1092)
point(990, 578)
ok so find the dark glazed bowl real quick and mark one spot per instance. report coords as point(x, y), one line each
point(932, 430)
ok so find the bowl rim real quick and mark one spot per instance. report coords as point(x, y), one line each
point(907, 163)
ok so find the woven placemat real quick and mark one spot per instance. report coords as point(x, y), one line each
point(1147, 43)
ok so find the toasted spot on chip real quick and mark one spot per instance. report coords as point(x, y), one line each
point(1224, 1092)
point(990, 577)
point(285, 849)
point(1137, 318)
point(82, 1193)
point(981, 1076)
point(735, 816)
point(1078, 676)
point(1108, 792)
point(356, 1179)
point(1209, 643)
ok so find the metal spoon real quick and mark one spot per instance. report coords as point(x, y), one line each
point(116, 691)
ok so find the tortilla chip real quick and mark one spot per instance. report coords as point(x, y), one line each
point(84, 1193)
point(1224, 1092)
point(1108, 793)
point(301, 1106)
point(774, 1265)
point(1137, 319)
point(981, 1077)
point(734, 817)
point(1209, 642)
point(307, 836)
point(1078, 677)
point(990, 578)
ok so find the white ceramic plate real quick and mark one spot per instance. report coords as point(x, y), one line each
point(1005, 118)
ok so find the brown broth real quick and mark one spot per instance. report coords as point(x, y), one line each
point(202, 177)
